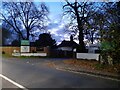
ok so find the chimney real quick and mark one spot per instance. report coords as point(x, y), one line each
point(71, 38)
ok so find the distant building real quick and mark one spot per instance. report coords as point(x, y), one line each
point(92, 48)
point(68, 45)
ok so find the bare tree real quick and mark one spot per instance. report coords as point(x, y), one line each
point(24, 17)
point(80, 13)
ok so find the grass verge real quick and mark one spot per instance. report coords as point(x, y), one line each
point(94, 65)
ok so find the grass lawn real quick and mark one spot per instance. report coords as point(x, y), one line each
point(6, 56)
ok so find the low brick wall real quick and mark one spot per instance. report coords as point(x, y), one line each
point(9, 50)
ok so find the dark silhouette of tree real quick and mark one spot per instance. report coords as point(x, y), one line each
point(15, 43)
point(24, 17)
point(5, 35)
point(112, 34)
point(79, 12)
point(44, 40)
point(0, 37)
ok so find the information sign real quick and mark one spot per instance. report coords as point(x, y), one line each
point(25, 42)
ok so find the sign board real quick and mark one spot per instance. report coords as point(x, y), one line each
point(25, 48)
point(25, 43)
point(74, 50)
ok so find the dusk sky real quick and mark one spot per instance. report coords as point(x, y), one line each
point(55, 26)
point(56, 23)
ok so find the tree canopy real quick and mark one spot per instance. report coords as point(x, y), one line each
point(15, 43)
point(80, 14)
point(112, 34)
point(6, 34)
point(24, 17)
point(44, 40)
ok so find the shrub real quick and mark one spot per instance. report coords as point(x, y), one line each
point(3, 52)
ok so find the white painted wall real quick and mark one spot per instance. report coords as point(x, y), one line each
point(65, 48)
point(16, 54)
point(33, 54)
point(88, 56)
point(29, 54)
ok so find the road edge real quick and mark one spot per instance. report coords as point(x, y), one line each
point(90, 74)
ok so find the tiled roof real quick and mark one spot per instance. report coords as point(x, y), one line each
point(68, 44)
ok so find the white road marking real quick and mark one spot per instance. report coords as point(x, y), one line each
point(27, 62)
point(89, 74)
point(13, 82)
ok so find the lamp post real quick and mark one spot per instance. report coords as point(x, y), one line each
point(92, 38)
point(74, 53)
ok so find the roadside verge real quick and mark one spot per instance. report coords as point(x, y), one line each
point(60, 65)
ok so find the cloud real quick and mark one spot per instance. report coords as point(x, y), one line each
point(53, 30)
point(61, 25)
point(57, 31)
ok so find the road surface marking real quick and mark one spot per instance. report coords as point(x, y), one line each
point(13, 82)
point(27, 62)
point(88, 74)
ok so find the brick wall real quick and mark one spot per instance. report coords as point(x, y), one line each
point(9, 50)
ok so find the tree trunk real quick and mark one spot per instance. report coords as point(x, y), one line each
point(92, 39)
point(81, 43)
point(81, 35)
point(27, 29)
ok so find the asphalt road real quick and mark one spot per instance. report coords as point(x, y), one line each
point(7, 84)
point(33, 73)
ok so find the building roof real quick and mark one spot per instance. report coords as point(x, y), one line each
point(68, 44)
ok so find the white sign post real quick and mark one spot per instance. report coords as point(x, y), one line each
point(25, 46)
